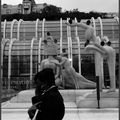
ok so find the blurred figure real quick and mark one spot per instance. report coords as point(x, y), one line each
point(51, 50)
point(110, 56)
point(71, 78)
point(89, 35)
point(111, 60)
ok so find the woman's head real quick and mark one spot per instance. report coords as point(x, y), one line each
point(45, 77)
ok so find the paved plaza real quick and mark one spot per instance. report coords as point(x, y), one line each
point(16, 108)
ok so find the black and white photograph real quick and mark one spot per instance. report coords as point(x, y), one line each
point(60, 60)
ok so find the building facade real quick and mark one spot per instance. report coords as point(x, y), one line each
point(26, 7)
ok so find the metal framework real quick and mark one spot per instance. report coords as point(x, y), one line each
point(18, 29)
point(11, 29)
point(31, 60)
point(9, 61)
point(4, 29)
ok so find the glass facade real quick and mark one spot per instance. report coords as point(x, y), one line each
point(18, 62)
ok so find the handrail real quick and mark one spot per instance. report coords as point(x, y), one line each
point(101, 26)
point(4, 29)
point(9, 60)
point(18, 28)
point(11, 29)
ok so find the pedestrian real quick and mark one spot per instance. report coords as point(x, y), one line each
point(50, 102)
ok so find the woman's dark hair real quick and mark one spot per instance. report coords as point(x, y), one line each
point(45, 76)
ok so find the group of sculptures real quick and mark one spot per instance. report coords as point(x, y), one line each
point(66, 75)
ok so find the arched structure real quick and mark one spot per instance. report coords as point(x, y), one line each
point(18, 29)
point(4, 29)
point(30, 51)
point(78, 42)
point(101, 26)
point(12, 25)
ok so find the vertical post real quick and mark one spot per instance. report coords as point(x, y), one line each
point(94, 25)
point(79, 55)
point(31, 62)
point(3, 42)
point(69, 43)
point(68, 36)
point(78, 41)
point(99, 58)
point(39, 53)
point(101, 27)
point(4, 29)
point(12, 25)
point(60, 35)
point(43, 28)
point(36, 28)
point(9, 61)
point(43, 32)
point(98, 92)
point(18, 29)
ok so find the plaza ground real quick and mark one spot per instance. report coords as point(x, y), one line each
point(16, 108)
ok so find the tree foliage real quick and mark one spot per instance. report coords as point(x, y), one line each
point(52, 12)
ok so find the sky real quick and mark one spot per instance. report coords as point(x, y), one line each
point(82, 5)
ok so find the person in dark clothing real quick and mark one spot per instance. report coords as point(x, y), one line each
point(51, 104)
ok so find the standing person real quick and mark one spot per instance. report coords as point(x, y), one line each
point(50, 102)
